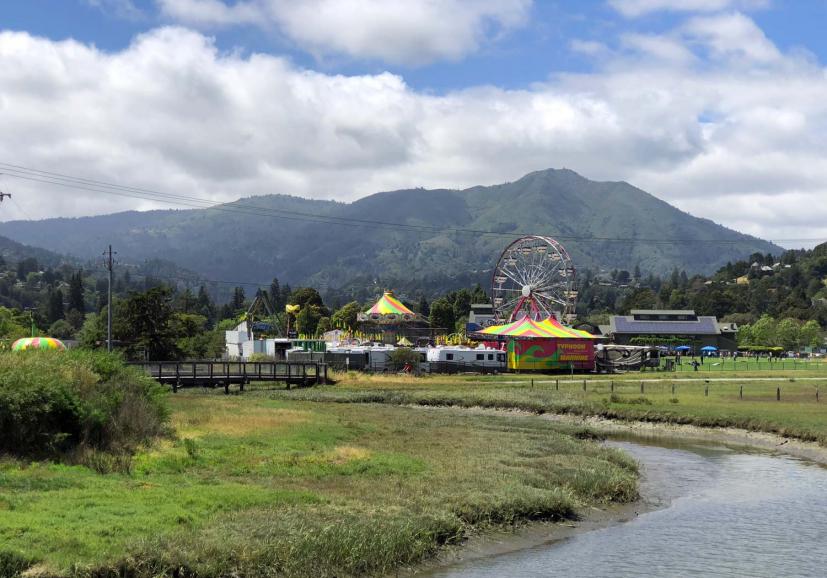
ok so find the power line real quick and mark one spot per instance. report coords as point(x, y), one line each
point(244, 207)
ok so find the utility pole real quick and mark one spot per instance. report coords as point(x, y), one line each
point(109, 264)
point(31, 317)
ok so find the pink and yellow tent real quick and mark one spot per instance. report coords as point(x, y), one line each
point(388, 310)
point(37, 343)
point(555, 326)
point(528, 328)
point(544, 345)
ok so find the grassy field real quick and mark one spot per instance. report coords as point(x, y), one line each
point(754, 364)
point(252, 485)
point(705, 400)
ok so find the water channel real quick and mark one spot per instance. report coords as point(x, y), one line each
point(717, 512)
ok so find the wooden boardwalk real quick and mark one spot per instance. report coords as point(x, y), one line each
point(226, 373)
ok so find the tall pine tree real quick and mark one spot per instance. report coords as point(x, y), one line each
point(55, 309)
point(76, 302)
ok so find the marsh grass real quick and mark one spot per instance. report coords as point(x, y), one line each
point(303, 489)
point(702, 402)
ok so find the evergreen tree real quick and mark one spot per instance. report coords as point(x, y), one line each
point(238, 299)
point(55, 307)
point(285, 295)
point(186, 301)
point(76, 301)
point(204, 305)
point(478, 295)
point(424, 307)
point(275, 295)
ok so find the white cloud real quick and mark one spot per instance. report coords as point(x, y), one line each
point(732, 35)
point(637, 8)
point(658, 47)
point(736, 139)
point(214, 12)
point(411, 32)
point(125, 9)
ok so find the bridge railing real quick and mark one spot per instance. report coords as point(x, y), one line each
point(207, 372)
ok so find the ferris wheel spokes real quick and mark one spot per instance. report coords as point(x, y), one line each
point(534, 276)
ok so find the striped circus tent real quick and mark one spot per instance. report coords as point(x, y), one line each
point(552, 322)
point(528, 328)
point(388, 309)
point(37, 343)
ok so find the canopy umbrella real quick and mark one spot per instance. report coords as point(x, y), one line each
point(37, 343)
point(682, 348)
point(404, 342)
point(709, 348)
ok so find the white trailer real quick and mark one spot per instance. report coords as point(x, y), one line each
point(481, 357)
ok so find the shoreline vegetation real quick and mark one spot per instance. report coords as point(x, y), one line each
point(249, 485)
point(361, 478)
point(747, 400)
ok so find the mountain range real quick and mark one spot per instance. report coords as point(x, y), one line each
point(434, 238)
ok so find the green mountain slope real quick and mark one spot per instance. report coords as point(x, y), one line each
point(258, 238)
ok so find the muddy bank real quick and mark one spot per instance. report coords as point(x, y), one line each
point(730, 437)
point(533, 534)
point(726, 436)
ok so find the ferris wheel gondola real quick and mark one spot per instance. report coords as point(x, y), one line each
point(534, 277)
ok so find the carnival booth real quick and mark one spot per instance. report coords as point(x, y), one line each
point(543, 345)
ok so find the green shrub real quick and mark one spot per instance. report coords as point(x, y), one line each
point(54, 402)
point(402, 355)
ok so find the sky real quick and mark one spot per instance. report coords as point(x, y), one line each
point(718, 107)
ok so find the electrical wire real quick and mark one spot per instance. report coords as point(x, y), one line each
point(247, 208)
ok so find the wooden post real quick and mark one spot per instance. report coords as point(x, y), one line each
point(612, 385)
point(741, 392)
point(584, 385)
point(532, 384)
point(557, 384)
point(673, 389)
point(777, 394)
point(706, 391)
point(641, 387)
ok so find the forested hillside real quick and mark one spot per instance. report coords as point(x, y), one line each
point(423, 240)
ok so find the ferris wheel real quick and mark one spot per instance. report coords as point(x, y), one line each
point(534, 277)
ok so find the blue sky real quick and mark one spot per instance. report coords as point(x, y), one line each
point(716, 106)
point(536, 51)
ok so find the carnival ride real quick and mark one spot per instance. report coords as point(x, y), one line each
point(534, 278)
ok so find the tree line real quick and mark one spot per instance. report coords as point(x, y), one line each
point(776, 301)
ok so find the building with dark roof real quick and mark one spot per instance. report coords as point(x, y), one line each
point(696, 330)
